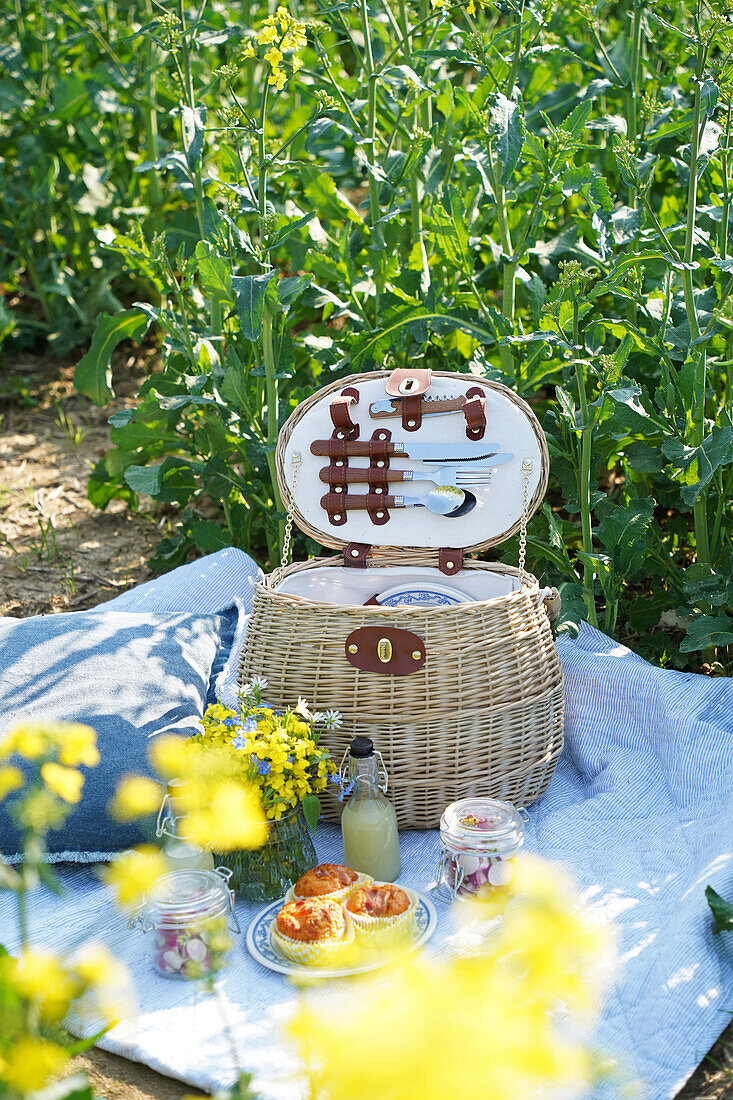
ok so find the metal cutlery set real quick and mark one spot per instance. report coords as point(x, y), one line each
point(453, 469)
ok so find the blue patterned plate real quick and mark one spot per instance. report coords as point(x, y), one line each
point(261, 948)
point(422, 594)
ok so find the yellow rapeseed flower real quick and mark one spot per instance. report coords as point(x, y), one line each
point(78, 745)
point(26, 740)
point(231, 818)
point(136, 796)
point(169, 756)
point(67, 783)
point(108, 997)
point(39, 977)
point(30, 1063)
point(133, 873)
point(11, 779)
point(494, 1015)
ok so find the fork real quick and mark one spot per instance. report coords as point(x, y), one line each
point(455, 476)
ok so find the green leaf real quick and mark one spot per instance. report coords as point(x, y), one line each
point(194, 124)
point(208, 536)
point(450, 231)
point(706, 631)
point(172, 481)
point(93, 374)
point(507, 118)
point(312, 811)
point(213, 272)
point(369, 347)
point(709, 92)
point(249, 292)
point(289, 289)
point(623, 532)
point(722, 911)
point(698, 464)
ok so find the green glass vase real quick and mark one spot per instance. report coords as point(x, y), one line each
point(267, 873)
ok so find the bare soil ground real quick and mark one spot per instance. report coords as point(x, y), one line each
point(59, 553)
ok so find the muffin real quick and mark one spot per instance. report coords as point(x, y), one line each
point(327, 880)
point(381, 907)
point(312, 931)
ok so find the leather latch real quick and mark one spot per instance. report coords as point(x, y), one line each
point(386, 649)
point(405, 382)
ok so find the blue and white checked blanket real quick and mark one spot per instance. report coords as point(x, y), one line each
point(640, 808)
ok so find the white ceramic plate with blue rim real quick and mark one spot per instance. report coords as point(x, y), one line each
point(422, 594)
point(262, 949)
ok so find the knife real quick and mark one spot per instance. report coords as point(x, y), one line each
point(420, 452)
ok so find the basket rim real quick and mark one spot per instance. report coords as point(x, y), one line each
point(327, 539)
point(267, 590)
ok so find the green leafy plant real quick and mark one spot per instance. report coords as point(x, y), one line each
point(537, 195)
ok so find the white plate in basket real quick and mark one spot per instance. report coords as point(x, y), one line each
point(262, 949)
point(421, 594)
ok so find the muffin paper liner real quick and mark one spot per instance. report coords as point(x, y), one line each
point(399, 925)
point(321, 953)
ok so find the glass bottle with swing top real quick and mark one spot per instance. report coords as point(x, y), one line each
point(369, 821)
point(181, 852)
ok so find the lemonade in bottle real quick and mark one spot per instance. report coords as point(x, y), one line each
point(369, 822)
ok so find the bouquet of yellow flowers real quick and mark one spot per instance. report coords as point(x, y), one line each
point(279, 754)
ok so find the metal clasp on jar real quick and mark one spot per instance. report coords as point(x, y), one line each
point(448, 868)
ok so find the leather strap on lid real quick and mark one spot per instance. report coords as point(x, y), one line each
point(340, 409)
point(355, 554)
point(378, 486)
point(475, 413)
point(450, 561)
point(412, 412)
point(404, 382)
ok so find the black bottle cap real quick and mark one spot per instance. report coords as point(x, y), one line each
point(361, 747)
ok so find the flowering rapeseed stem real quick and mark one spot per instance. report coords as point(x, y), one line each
point(285, 35)
point(30, 1063)
point(490, 1016)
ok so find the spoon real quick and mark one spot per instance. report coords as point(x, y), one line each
point(443, 500)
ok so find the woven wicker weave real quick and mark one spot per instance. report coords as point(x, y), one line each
point(483, 716)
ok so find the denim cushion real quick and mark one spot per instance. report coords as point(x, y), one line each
point(130, 676)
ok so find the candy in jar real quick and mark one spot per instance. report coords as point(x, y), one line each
point(479, 838)
point(188, 913)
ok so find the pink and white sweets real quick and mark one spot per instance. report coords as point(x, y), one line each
point(188, 913)
point(479, 838)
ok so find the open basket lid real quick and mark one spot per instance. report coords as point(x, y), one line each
point(511, 429)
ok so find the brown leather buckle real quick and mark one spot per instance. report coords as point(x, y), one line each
point(385, 649)
point(340, 409)
point(450, 560)
point(355, 554)
point(404, 382)
point(475, 413)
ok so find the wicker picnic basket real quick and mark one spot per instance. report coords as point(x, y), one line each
point(460, 699)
